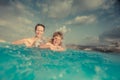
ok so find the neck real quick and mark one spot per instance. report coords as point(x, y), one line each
point(38, 36)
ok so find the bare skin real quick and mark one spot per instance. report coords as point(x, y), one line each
point(54, 45)
point(2, 40)
point(30, 41)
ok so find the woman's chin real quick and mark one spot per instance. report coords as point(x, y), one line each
point(56, 44)
point(38, 36)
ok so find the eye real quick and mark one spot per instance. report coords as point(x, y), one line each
point(55, 38)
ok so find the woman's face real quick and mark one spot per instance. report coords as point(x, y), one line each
point(39, 31)
point(57, 40)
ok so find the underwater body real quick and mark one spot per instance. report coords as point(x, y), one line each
point(18, 62)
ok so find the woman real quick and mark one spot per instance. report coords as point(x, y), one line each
point(34, 41)
point(55, 43)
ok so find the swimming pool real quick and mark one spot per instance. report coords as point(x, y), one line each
point(21, 63)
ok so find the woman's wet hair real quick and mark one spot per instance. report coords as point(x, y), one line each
point(39, 25)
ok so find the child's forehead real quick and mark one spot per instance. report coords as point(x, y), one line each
point(58, 37)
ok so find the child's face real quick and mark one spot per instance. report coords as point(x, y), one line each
point(57, 40)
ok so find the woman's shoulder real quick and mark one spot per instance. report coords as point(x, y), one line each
point(29, 39)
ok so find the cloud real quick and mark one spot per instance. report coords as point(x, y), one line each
point(15, 18)
point(60, 9)
point(92, 4)
point(90, 40)
point(111, 35)
point(55, 8)
point(16, 12)
point(82, 20)
point(4, 2)
point(65, 8)
point(106, 5)
point(3, 22)
point(86, 5)
point(24, 20)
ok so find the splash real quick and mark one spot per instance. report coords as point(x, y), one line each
point(64, 29)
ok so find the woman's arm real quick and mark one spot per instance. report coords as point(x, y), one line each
point(47, 45)
point(27, 42)
point(60, 48)
point(22, 41)
point(2, 40)
point(52, 47)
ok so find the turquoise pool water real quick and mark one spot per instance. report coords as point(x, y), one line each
point(21, 63)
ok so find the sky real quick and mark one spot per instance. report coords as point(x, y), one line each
point(82, 21)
